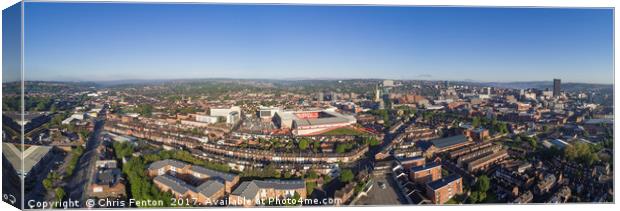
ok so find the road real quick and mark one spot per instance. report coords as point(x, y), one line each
point(35, 190)
point(368, 163)
point(83, 174)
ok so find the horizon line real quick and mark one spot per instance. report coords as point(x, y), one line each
point(301, 79)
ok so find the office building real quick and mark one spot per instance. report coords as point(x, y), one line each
point(557, 87)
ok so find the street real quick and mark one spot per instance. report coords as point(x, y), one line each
point(77, 188)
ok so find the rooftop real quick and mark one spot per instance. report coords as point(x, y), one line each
point(199, 169)
point(108, 177)
point(249, 189)
point(214, 174)
point(443, 181)
point(449, 141)
point(210, 187)
point(410, 159)
point(173, 183)
point(32, 156)
point(425, 167)
point(167, 162)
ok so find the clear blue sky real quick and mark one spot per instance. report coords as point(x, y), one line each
point(165, 41)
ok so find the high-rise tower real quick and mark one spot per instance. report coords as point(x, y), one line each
point(556, 87)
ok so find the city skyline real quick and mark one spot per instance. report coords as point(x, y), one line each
point(156, 42)
point(140, 81)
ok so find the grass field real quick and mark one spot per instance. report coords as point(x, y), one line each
point(344, 131)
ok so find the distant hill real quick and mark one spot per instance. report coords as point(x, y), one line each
point(547, 85)
point(542, 85)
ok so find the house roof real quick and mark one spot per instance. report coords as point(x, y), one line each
point(108, 176)
point(449, 141)
point(210, 187)
point(198, 169)
point(175, 184)
point(425, 167)
point(167, 162)
point(434, 185)
point(249, 189)
point(214, 174)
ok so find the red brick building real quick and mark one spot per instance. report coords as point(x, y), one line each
point(425, 173)
point(442, 190)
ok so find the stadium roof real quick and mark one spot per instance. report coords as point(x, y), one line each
point(332, 118)
point(320, 121)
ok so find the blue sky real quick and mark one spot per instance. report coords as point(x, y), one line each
point(11, 43)
point(97, 42)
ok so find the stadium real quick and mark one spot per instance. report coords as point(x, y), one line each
point(312, 122)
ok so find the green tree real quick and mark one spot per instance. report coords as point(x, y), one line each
point(315, 146)
point(517, 139)
point(346, 176)
point(310, 187)
point(483, 184)
point(533, 142)
point(303, 144)
point(84, 134)
point(581, 152)
point(57, 120)
point(372, 141)
point(60, 193)
point(475, 122)
point(474, 197)
point(340, 148)
point(145, 110)
point(41, 106)
point(47, 183)
point(312, 175)
point(479, 192)
point(287, 174)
